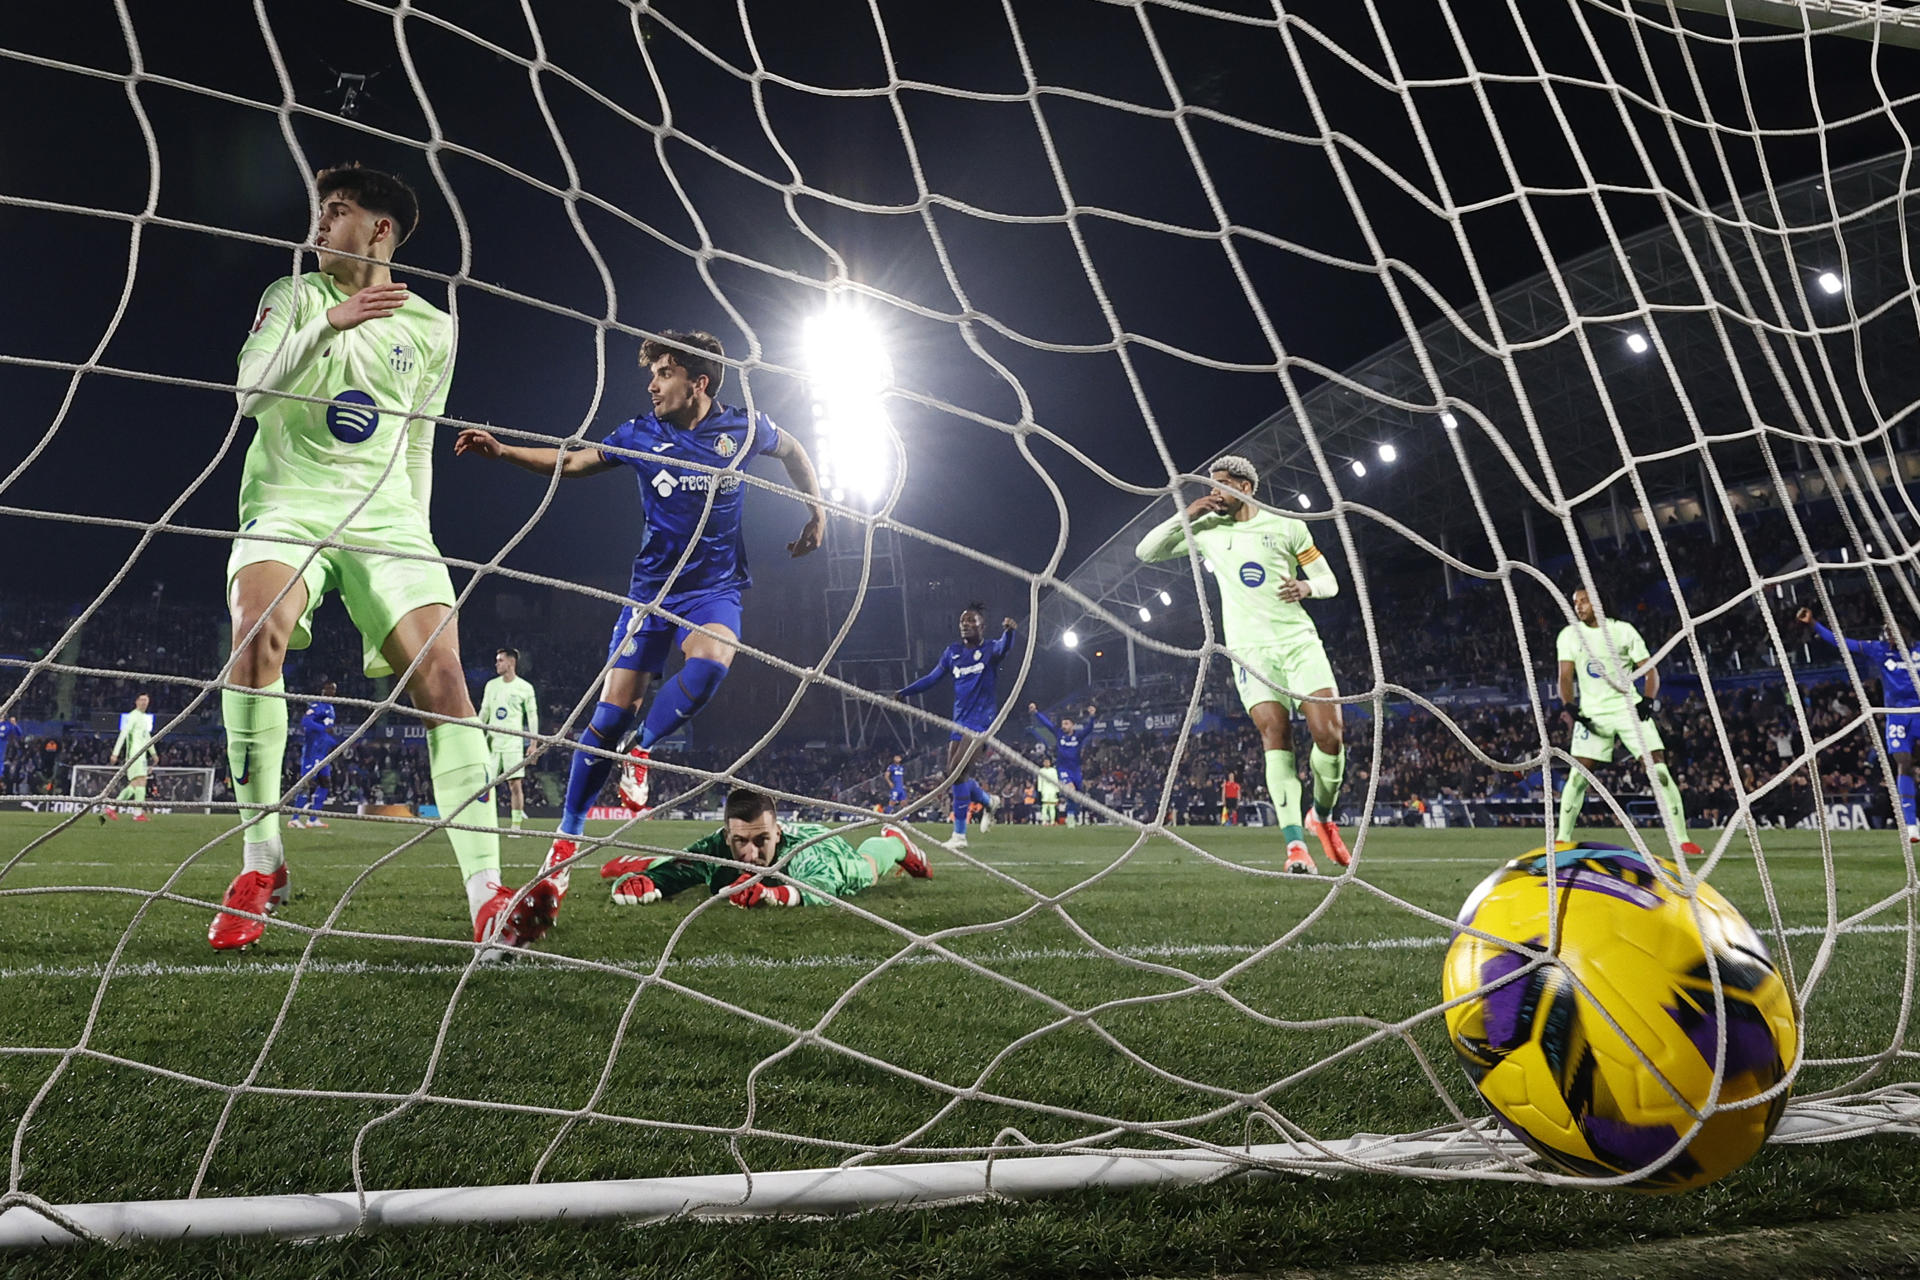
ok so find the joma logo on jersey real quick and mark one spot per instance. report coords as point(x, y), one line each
point(1253, 573)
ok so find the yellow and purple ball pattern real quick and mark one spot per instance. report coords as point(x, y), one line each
point(1550, 1040)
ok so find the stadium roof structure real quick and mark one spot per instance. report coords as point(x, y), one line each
point(1752, 356)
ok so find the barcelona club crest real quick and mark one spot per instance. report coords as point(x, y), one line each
point(726, 446)
point(400, 358)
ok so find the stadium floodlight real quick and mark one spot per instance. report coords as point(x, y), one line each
point(1448, 421)
point(1637, 343)
point(1070, 638)
point(1359, 467)
point(1305, 502)
point(1144, 615)
point(1388, 453)
point(1166, 599)
point(849, 372)
point(1831, 281)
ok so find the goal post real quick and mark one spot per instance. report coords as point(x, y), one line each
point(170, 788)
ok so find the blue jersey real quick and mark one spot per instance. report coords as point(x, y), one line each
point(316, 728)
point(1896, 678)
point(897, 779)
point(675, 496)
point(1067, 745)
point(10, 733)
point(975, 671)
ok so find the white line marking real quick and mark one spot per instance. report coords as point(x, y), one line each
point(241, 968)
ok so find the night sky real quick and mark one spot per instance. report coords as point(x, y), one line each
point(131, 448)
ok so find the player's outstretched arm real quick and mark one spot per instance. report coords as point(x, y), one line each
point(1034, 709)
point(926, 681)
point(544, 462)
point(1859, 647)
point(793, 456)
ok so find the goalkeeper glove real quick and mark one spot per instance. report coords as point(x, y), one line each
point(762, 894)
point(1579, 716)
point(1646, 707)
point(635, 890)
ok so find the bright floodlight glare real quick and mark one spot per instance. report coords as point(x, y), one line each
point(1166, 599)
point(1144, 615)
point(1305, 502)
point(1637, 343)
point(1388, 453)
point(1448, 421)
point(849, 371)
point(1831, 282)
point(1070, 638)
point(1359, 467)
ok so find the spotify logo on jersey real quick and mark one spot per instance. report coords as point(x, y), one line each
point(1253, 573)
point(351, 417)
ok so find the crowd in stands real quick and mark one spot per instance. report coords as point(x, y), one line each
point(1430, 641)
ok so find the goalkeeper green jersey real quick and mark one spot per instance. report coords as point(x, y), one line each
point(1611, 651)
point(512, 705)
point(322, 461)
point(1250, 559)
point(1049, 780)
point(827, 866)
point(136, 731)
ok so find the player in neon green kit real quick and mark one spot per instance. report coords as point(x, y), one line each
point(1257, 558)
point(136, 731)
point(355, 471)
point(1603, 656)
point(509, 702)
point(1048, 783)
point(752, 833)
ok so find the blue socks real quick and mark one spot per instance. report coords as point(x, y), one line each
point(681, 698)
point(1906, 797)
point(317, 798)
point(966, 793)
point(589, 772)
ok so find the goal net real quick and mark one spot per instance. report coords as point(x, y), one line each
point(1502, 302)
point(170, 789)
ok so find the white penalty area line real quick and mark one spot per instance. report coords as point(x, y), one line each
point(243, 968)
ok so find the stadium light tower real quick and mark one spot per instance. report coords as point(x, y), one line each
point(1831, 281)
point(848, 373)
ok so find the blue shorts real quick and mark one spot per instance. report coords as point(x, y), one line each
point(968, 730)
point(1071, 777)
point(898, 797)
point(1902, 732)
point(648, 648)
point(306, 767)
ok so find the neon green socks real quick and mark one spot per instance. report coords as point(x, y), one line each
point(457, 758)
point(1283, 784)
point(256, 749)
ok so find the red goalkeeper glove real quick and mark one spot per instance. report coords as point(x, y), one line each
point(635, 890)
point(762, 894)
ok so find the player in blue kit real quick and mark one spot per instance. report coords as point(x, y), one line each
point(896, 785)
point(1895, 667)
point(686, 454)
point(10, 733)
point(1068, 740)
point(974, 665)
point(317, 741)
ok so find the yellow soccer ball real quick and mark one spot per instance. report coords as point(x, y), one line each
point(1550, 1040)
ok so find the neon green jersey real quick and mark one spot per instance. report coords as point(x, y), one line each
point(325, 460)
point(1599, 655)
point(136, 731)
point(1250, 559)
point(1049, 783)
point(509, 705)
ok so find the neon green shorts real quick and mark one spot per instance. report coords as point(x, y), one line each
point(1632, 732)
point(378, 588)
point(1297, 669)
point(506, 758)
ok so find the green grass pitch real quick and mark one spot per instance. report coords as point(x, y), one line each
point(363, 1022)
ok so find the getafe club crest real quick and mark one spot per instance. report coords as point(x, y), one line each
point(400, 358)
point(726, 446)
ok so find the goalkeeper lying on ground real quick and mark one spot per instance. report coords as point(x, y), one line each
point(826, 866)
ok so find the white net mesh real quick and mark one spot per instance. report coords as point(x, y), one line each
point(1185, 231)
